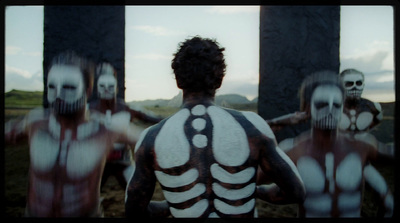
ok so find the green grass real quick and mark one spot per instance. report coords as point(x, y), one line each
point(23, 99)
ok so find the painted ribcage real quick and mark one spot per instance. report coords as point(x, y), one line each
point(218, 183)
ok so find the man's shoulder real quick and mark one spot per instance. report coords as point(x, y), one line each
point(371, 104)
point(38, 114)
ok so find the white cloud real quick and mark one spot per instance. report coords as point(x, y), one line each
point(388, 62)
point(16, 78)
point(17, 71)
point(13, 50)
point(377, 56)
point(33, 54)
point(233, 9)
point(158, 30)
point(385, 78)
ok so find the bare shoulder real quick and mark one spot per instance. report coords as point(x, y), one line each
point(36, 115)
point(259, 123)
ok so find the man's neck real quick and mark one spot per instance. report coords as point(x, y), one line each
point(107, 104)
point(73, 120)
point(197, 98)
point(324, 139)
point(352, 102)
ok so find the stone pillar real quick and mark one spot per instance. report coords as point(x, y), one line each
point(96, 32)
point(295, 41)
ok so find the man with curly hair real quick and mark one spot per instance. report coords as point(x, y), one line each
point(206, 157)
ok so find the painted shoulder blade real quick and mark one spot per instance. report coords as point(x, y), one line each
point(171, 146)
point(230, 144)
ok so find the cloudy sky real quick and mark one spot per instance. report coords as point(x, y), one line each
point(154, 32)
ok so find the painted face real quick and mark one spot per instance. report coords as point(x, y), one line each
point(326, 107)
point(354, 85)
point(65, 89)
point(107, 86)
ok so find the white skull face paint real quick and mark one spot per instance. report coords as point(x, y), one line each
point(65, 89)
point(107, 86)
point(326, 107)
point(354, 85)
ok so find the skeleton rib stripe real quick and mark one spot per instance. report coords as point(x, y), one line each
point(229, 209)
point(177, 181)
point(222, 175)
point(178, 197)
point(234, 194)
point(192, 212)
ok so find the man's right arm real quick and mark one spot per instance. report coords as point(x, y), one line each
point(17, 129)
point(289, 187)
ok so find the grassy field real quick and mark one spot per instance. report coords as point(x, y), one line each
point(17, 163)
point(23, 99)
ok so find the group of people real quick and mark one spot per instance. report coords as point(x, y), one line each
point(210, 161)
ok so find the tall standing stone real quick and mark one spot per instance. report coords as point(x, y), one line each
point(96, 32)
point(295, 41)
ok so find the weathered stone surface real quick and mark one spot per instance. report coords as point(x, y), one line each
point(295, 41)
point(96, 32)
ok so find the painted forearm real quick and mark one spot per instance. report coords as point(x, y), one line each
point(378, 183)
point(289, 119)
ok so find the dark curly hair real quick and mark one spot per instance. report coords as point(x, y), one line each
point(311, 82)
point(199, 65)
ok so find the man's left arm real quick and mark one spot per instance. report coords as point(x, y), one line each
point(377, 112)
point(378, 183)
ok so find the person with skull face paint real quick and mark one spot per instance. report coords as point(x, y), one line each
point(359, 114)
point(68, 149)
point(119, 161)
point(332, 164)
point(204, 156)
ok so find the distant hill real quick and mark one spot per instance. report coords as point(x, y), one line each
point(17, 98)
point(231, 99)
point(226, 100)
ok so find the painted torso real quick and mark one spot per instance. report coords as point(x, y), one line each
point(333, 179)
point(205, 161)
point(360, 116)
point(65, 168)
point(120, 153)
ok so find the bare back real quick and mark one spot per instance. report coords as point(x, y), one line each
point(206, 160)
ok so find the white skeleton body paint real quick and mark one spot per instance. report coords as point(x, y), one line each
point(375, 179)
point(359, 114)
point(66, 92)
point(107, 86)
point(68, 148)
point(65, 164)
point(361, 117)
point(332, 165)
point(221, 184)
point(326, 107)
point(354, 84)
point(323, 182)
point(173, 150)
